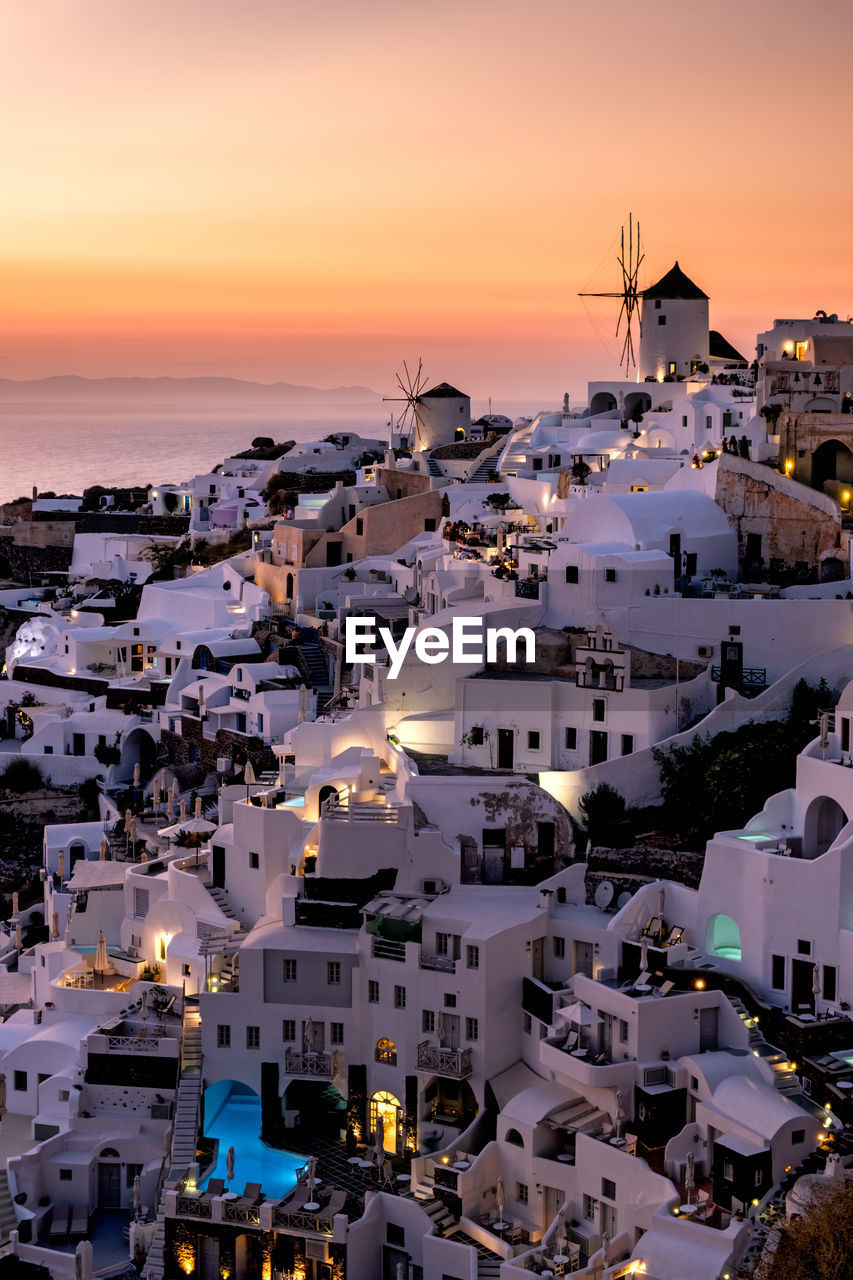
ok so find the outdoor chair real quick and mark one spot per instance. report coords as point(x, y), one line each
point(297, 1198)
point(79, 1225)
point(59, 1223)
point(336, 1204)
point(251, 1196)
point(666, 987)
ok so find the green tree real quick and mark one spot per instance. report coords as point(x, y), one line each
point(600, 810)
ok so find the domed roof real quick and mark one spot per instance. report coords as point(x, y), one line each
point(598, 441)
point(674, 285)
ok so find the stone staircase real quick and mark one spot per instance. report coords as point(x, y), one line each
point(8, 1221)
point(484, 470)
point(443, 1221)
point(784, 1078)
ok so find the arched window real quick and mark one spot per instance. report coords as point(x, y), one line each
point(386, 1051)
point(514, 1137)
point(109, 1153)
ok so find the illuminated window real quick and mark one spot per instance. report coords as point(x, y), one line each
point(386, 1051)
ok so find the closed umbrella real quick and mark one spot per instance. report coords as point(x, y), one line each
point(197, 812)
point(15, 903)
point(380, 1145)
point(500, 1197)
point(619, 1114)
point(54, 927)
point(143, 857)
point(183, 817)
point(2, 1093)
point(103, 851)
point(307, 1035)
point(128, 815)
point(137, 1195)
point(661, 902)
point(311, 1180)
point(101, 956)
point(155, 798)
point(816, 991)
point(19, 940)
point(644, 954)
point(137, 774)
point(439, 1027)
point(143, 1006)
point(689, 1179)
point(61, 865)
point(605, 1250)
point(248, 776)
point(175, 790)
point(229, 1164)
point(170, 806)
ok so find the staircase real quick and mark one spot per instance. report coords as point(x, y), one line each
point(443, 1221)
point(316, 666)
point(188, 1097)
point(220, 897)
point(433, 468)
point(8, 1221)
point(755, 1036)
point(784, 1078)
point(484, 470)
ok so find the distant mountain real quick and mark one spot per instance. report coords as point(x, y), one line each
point(69, 387)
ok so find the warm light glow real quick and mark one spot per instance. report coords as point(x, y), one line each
point(846, 496)
point(185, 1255)
point(699, 984)
point(789, 346)
point(755, 1202)
point(789, 466)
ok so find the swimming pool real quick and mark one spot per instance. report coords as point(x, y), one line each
point(233, 1115)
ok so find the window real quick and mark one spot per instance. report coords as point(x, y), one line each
point(777, 979)
point(533, 738)
point(734, 631)
point(757, 1177)
point(476, 735)
point(399, 997)
point(661, 319)
point(608, 1189)
point(21, 1081)
point(288, 1030)
point(684, 419)
point(803, 948)
point(513, 1137)
point(599, 707)
point(359, 527)
point(254, 861)
point(829, 985)
point(373, 992)
point(798, 1136)
point(694, 1083)
point(450, 1001)
point(65, 1175)
point(521, 1192)
point(627, 744)
point(657, 304)
point(609, 575)
point(571, 573)
point(571, 738)
point(395, 1235)
point(386, 1051)
point(472, 957)
point(429, 524)
point(223, 1037)
point(623, 1031)
point(559, 948)
point(442, 944)
point(336, 1032)
point(589, 1207)
point(260, 723)
point(289, 971)
point(186, 971)
point(253, 1037)
point(729, 1170)
point(527, 1024)
point(131, 1171)
point(333, 973)
point(472, 1028)
point(427, 1020)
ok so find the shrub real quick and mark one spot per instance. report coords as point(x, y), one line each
point(22, 775)
point(600, 810)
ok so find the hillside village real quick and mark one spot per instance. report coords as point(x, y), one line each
point(479, 970)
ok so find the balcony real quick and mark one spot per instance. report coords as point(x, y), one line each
point(455, 1064)
point(318, 1066)
point(442, 964)
point(388, 949)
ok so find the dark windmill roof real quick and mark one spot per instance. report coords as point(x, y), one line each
point(675, 284)
point(720, 349)
point(442, 391)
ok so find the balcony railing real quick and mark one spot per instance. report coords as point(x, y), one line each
point(443, 964)
point(388, 949)
point(249, 1214)
point(194, 1207)
point(133, 1044)
point(317, 1065)
point(453, 1063)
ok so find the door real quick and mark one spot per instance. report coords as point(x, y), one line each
point(583, 958)
point(218, 867)
point(392, 1260)
point(552, 1200)
point(802, 996)
point(597, 746)
point(537, 951)
point(109, 1186)
point(79, 744)
point(545, 839)
point(708, 1029)
point(494, 855)
point(451, 1025)
point(506, 748)
point(209, 1268)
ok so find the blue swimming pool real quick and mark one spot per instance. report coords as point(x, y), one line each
point(232, 1113)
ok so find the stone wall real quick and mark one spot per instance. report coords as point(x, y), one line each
point(227, 744)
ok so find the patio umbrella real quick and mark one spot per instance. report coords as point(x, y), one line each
point(183, 810)
point(644, 954)
point(619, 1114)
point(401, 1271)
point(311, 1178)
point(248, 776)
point(2, 1093)
point(170, 807)
point(137, 1195)
point(176, 790)
point(229, 1165)
point(439, 1026)
point(197, 812)
point(605, 1250)
point(101, 955)
point(816, 991)
point(54, 927)
point(380, 1145)
point(307, 1035)
point(137, 774)
point(102, 851)
point(19, 940)
point(500, 1197)
point(689, 1178)
point(192, 827)
point(155, 796)
point(15, 903)
point(143, 857)
point(128, 817)
point(60, 869)
point(143, 1006)
point(661, 901)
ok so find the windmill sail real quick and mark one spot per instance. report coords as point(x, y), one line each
point(629, 259)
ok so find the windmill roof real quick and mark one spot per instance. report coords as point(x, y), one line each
point(675, 284)
point(720, 349)
point(443, 390)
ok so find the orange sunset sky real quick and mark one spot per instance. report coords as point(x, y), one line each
point(314, 190)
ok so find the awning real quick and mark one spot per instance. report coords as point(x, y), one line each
point(512, 1081)
point(96, 875)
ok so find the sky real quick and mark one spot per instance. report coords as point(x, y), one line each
point(316, 190)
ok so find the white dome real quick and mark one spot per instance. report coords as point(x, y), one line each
point(602, 441)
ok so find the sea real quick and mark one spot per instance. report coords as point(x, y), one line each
point(67, 450)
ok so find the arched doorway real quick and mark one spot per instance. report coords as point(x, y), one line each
point(602, 402)
point(722, 937)
point(386, 1106)
point(637, 400)
point(831, 460)
point(139, 748)
point(822, 824)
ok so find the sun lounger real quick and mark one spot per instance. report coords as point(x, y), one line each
point(336, 1203)
point(216, 1187)
point(79, 1221)
point(59, 1224)
point(251, 1196)
point(298, 1198)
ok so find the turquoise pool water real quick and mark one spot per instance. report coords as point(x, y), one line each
point(234, 1118)
point(728, 953)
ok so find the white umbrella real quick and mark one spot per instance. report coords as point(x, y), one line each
point(15, 903)
point(128, 817)
point(229, 1164)
point(619, 1114)
point(197, 807)
point(176, 790)
point(143, 857)
point(137, 1195)
point(102, 852)
point(500, 1197)
point(155, 798)
point(580, 1015)
point(439, 1027)
point(816, 991)
point(143, 1006)
point(661, 901)
point(61, 865)
point(605, 1250)
point(170, 807)
point(183, 811)
point(133, 830)
point(54, 927)
point(689, 1179)
point(193, 826)
point(137, 774)
point(311, 1181)
point(380, 1144)
point(101, 955)
point(401, 1271)
point(248, 776)
point(644, 954)
point(19, 940)
point(308, 1035)
point(137, 1237)
point(2, 1093)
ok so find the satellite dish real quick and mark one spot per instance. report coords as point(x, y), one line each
point(623, 899)
point(604, 895)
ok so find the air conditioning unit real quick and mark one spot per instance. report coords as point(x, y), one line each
point(317, 1249)
point(433, 886)
point(705, 651)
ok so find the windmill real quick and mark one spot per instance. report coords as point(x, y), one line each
point(411, 386)
point(629, 260)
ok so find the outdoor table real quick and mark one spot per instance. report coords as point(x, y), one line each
point(311, 1206)
point(687, 1209)
point(844, 1084)
point(404, 1177)
point(461, 1164)
point(643, 988)
point(565, 1158)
